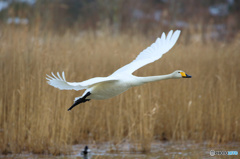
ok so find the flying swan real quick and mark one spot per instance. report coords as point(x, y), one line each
point(121, 80)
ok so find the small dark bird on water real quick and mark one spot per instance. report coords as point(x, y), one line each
point(86, 153)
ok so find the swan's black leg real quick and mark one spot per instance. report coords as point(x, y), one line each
point(80, 100)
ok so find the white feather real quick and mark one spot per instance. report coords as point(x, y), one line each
point(62, 84)
point(152, 53)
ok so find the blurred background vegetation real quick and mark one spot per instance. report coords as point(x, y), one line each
point(208, 19)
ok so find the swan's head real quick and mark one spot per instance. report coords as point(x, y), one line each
point(180, 74)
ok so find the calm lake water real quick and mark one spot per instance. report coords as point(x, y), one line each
point(158, 150)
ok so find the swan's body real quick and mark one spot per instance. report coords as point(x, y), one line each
point(121, 80)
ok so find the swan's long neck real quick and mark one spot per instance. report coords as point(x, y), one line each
point(143, 80)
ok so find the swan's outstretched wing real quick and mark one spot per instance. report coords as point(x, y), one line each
point(61, 83)
point(152, 53)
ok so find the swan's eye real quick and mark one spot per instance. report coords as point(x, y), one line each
point(178, 72)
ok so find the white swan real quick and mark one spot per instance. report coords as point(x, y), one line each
point(122, 79)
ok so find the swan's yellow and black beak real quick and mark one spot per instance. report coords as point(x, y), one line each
point(184, 75)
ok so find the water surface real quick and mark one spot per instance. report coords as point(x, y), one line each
point(128, 151)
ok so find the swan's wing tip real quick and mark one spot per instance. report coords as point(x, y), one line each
point(177, 33)
point(61, 83)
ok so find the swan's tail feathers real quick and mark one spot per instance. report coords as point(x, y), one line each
point(61, 83)
point(80, 100)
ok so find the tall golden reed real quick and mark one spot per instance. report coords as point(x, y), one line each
point(34, 116)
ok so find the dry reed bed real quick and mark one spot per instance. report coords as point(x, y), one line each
point(34, 116)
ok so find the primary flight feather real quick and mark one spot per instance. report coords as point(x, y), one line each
point(122, 79)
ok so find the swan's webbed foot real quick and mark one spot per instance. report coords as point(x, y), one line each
point(80, 100)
